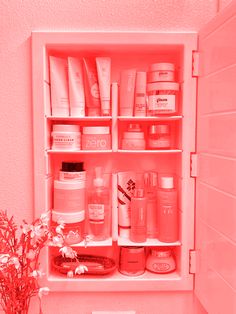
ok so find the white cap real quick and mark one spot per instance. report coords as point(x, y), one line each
point(68, 217)
point(124, 232)
point(127, 112)
point(96, 130)
point(162, 67)
point(105, 105)
point(60, 112)
point(98, 181)
point(77, 112)
point(65, 128)
point(69, 185)
point(133, 135)
point(167, 182)
point(163, 86)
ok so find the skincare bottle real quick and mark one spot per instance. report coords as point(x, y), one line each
point(138, 216)
point(99, 208)
point(127, 86)
point(140, 94)
point(150, 181)
point(167, 215)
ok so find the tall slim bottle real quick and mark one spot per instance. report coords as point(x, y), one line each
point(150, 181)
point(99, 208)
point(167, 212)
point(138, 204)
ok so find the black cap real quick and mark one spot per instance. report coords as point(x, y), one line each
point(72, 166)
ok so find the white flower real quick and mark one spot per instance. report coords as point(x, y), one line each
point(26, 228)
point(31, 254)
point(58, 240)
point(81, 269)
point(59, 229)
point(43, 291)
point(45, 218)
point(15, 261)
point(4, 258)
point(37, 274)
point(67, 251)
point(70, 274)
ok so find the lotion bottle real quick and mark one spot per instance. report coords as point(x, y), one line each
point(167, 213)
point(138, 216)
point(99, 208)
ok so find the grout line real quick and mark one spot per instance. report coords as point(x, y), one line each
point(219, 113)
point(216, 189)
point(218, 71)
point(231, 241)
point(214, 155)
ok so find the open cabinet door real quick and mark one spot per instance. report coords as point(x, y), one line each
point(215, 280)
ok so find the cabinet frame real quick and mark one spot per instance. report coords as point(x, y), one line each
point(41, 42)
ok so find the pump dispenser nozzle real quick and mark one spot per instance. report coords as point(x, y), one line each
point(98, 180)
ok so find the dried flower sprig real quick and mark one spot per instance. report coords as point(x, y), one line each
point(19, 260)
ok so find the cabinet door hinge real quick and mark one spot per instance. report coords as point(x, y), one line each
point(195, 64)
point(192, 261)
point(193, 165)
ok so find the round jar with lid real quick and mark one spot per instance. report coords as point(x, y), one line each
point(69, 196)
point(133, 138)
point(162, 98)
point(160, 261)
point(159, 136)
point(73, 225)
point(66, 137)
point(132, 260)
point(161, 72)
point(96, 138)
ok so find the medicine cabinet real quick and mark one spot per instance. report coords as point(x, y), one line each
point(127, 50)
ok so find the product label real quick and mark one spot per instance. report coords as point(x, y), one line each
point(162, 103)
point(96, 212)
point(78, 176)
point(70, 141)
point(95, 91)
point(96, 143)
point(161, 267)
point(167, 209)
point(159, 143)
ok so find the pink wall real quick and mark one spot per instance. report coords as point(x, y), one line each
point(18, 19)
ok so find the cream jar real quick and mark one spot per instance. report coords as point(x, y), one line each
point(160, 261)
point(73, 225)
point(159, 136)
point(96, 138)
point(162, 98)
point(161, 72)
point(69, 196)
point(66, 137)
point(133, 138)
point(132, 260)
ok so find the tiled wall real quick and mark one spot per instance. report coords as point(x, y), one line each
point(216, 188)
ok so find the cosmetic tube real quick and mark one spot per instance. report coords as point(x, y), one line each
point(92, 95)
point(104, 79)
point(127, 85)
point(59, 86)
point(140, 94)
point(126, 186)
point(76, 87)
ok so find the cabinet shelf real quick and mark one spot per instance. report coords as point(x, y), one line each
point(148, 151)
point(54, 151)
point(55, 118)
point(114, 282)
point(150, 118)
point(149, 242)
